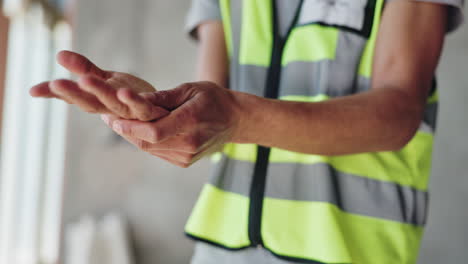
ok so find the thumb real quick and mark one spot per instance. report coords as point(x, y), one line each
point(171, 99)
point(80, 65)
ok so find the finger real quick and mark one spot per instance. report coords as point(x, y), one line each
point(106, 94)
point(191, 143)
point(135, 129)
point(41, 90)
point(141, 108)
point(178, 143)
point(179, 121)
point(170, 99)
point(188, 159)
point(153, 132)
point(109, 119)
point(172, 161)
point(80, 65)
point(70, 91)
point(182, 157)
point(206, 151)
point(174, 157)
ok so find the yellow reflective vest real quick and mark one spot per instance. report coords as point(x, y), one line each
point(367, 208)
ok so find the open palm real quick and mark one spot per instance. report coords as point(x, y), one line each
point(100, 91)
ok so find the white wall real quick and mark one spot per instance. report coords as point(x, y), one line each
point(446, 238)
point(103, 172)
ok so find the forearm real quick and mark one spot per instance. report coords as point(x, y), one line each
point(383, 119)
point(212, 63)
point(379, 120)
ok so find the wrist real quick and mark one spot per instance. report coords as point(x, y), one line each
point(249, 117)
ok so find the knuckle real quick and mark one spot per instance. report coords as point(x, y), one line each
point(124, 116)
point(143, 145)
point(150, 96)
point(187, 88)
point(87, 66)
point(192, 144)
point(186, 85)
point(91, 109)
point(118, 108)
point(154, 135)
point(187, 158)
point(161, 95)
point(184, 165)
point(145, 116)
point(195, 118)
point(156, 154)
point(190, 117)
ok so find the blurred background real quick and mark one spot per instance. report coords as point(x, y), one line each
point(73, 192)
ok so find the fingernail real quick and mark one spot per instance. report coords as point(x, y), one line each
point(105, 119)
point(117, 127)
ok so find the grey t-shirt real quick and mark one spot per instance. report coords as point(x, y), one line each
point(205, 10)
point(455, 12)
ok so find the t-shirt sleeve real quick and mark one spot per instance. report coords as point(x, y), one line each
point(455, 15)
point(199, 12)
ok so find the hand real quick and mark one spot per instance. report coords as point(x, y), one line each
point(203, 119)
point(100, 91)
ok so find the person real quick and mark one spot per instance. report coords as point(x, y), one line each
point(323, 140)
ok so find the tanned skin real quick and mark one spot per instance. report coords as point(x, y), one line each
point(196, 119)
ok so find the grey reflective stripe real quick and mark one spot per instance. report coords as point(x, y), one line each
point(236, 23)
point(311, 79)
point(299, 78)
point(335, 77)
point(305, 78)
point(321, 183)
point(363, 84)
point(354, 194)
point(342, 75)
point(252, 79)
point(232, 175)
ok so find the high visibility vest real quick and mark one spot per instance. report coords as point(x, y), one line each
point(367, 208)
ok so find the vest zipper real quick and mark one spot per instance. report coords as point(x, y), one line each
point(257, 187)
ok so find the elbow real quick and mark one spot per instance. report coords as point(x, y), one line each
point(401, 139)
point(400, 116)
point(402, 132)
